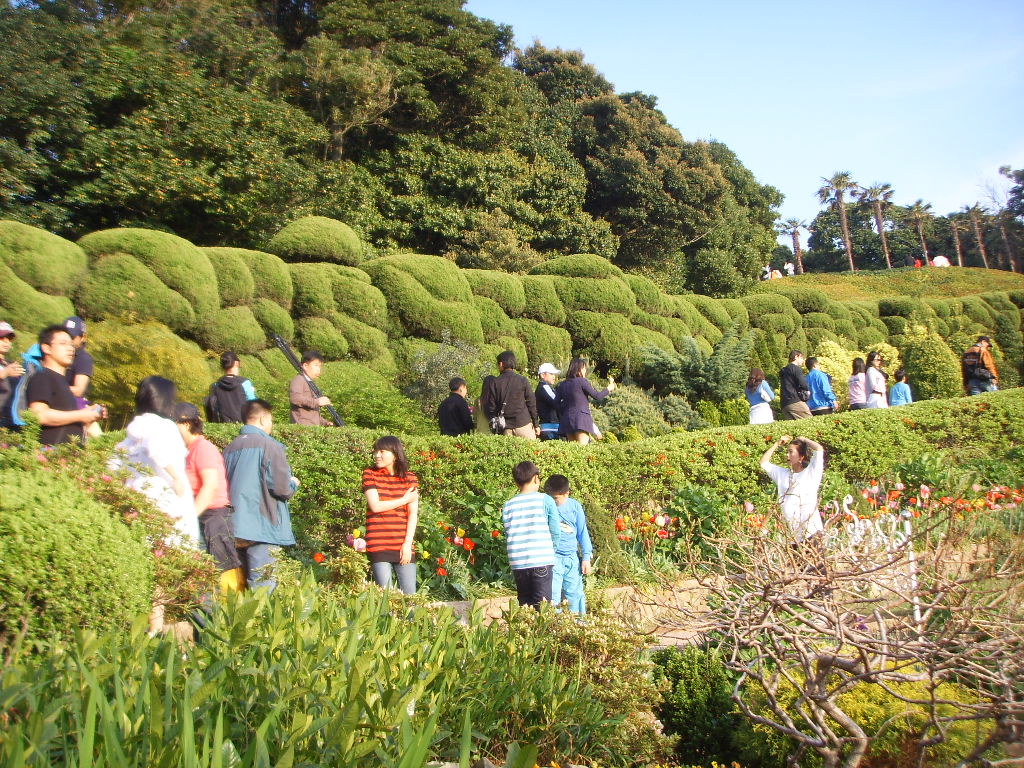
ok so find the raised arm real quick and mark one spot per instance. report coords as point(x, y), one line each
point(375, 505)
point(766, 457)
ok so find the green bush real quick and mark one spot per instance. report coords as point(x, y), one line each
point(501, 287)
point(542, 302)
point(737, 312)
point(730, 413)
point(940, 307)
point(120, 284)
point(785, 324)
point(578, 265)
point(317, 238)
point(313, 289)
point(630, 410)
point(645, 337)
point(273, 318)
point(595, 294)
point(441, 278)
point(870, 337)
point(819, 320)
point(321, 334)
point(816, 337)
point(902, 306)
point(603, 338)
point(270, 275)
point(50, 264)
point(233, 328)
point(977, 310)
point(27, 309)
point(127, 353)
point(803, 298)
point(366, 399)
point(544, 343)
point(66, 563)
point(933, 370)
point(760, 304)
point(357, 298)
point(846, 328)
point(364, 341)
point(493, 319)
point(896, 325)
point(180, 265)
point(675, 329)
point(1008, 338)
point(234, 280)
point(649, 296)
point(712, 310)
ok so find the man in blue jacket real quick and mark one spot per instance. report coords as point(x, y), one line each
point(823, 399)
point(260, 482)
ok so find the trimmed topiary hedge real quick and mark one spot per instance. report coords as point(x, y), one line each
point(649, 297)
point(364, 341)
point(819, 320)
point(180, 265)
point(674, 328)
point(322, 334)
point(273, 318)
point(712, 310)
point(66, 564)
point(366, 399)
point(314, 289)
point(542, 302)
point(737, 312)
point(317, 238)
point(760, 304)
point(27, 309)
point(544, 343)
point(46, 262)
point(270, 275)
point(603, 338)
point(645, 337)
point(234, 328)
point(120, 284)
point(578, 265)
point(358, 298)
point(933, 370)
point(505, 289)
point(803, 299)
point(234, 280)
point(441, 278)
point(595, 294)
point(493, 319)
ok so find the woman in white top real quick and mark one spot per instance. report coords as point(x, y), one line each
point(876, 382)
point(798, 485)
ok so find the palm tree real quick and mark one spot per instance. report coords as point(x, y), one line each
point(834, 193)
point(975, 213)
point(919, 214)
point(955, 222)
point(792, 228)
point(879, 196)
point(1000, 219)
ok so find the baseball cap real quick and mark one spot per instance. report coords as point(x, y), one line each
point(6, 330)
point(75, 326)
point(547, 368)
point(983, 338)
point(186, 412)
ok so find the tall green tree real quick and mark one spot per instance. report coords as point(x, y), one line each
point(879, 196)
point(975, 213)
point(833, 193)
point(919, 215)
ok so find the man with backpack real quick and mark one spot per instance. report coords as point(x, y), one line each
point(978, 368)
point(229, 394)
point(10, 370)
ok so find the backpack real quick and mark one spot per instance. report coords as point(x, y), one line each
point(224, 404)
point(10, 411)
point(972, 366)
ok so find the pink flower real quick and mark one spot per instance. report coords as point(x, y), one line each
point(899, 486)
point(359, 545)
point(662, 534)
point(748, 507)
point(106, 478)
point(158, 552)
point(925, 491)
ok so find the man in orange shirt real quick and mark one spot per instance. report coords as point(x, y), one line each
point(978, 368)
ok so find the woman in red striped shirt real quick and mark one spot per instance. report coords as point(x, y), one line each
point(392, 498)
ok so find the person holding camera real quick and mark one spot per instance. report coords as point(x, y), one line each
point(508, 401)
point(978, 368)
point(793, 389)
point(49, 395)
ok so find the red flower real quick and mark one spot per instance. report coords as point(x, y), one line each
point(662, 534)
point(620, 524)
point(442, 572)
point(440, 561)
point(495, 534)
point(318, 557)
point(468, 544)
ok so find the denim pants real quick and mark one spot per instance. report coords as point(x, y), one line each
point(977, 386)
point(406, 575)
point(533, 585)
point(567, 583)
point(259, 565)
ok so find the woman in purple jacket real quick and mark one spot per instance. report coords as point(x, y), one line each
point(575, 421)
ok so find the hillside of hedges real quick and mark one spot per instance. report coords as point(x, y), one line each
point(313, 284)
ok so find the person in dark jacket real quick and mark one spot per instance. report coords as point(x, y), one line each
point(453, 415)
point(509, 395)
point(547, 401)
point(229, 394)
point(575, 422)
point(793, 388)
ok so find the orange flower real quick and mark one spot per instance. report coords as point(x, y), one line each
point(495, 534)
point(318, 557)
point(468, 544)
point(620, 524)
point(440, 561)
point(442, 572)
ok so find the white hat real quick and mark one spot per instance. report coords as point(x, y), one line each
point(547, 368)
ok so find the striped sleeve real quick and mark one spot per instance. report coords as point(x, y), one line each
point(528, 535)
point(385, 531)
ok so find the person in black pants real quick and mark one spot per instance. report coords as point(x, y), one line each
point(453, 415)
point(546, 398)
point(793, 388)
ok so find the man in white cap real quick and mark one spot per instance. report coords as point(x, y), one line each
point(545, 396)
point(8, 369)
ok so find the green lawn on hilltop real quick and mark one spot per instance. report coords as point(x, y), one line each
point(928, 282)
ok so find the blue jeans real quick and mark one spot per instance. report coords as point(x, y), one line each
point(533, 585)
point(977, 386)
point(406, 575)
point(567, 583)
point(259, 565)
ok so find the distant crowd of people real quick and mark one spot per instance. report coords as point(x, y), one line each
point(789, 269)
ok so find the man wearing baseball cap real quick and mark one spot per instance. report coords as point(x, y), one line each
point(81, 369)
point(8, 369)
point(546, 396)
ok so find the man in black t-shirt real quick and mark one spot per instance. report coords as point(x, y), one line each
point(49, 396)
point(80, 371)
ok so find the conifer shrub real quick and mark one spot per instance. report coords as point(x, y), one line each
point(364, 341)
point(273, 318)
point(595, 294)
point(1017, 297)
point(526, 364)
point(760, 304)
point(234, 280)
point(630, 410)
point(365, 398)
point(441, 278)
point(505, 289)
point(649, 296)
point(66, 563)
point(493, 319)
point(999, 301)
point(270, 275)
point(933, 371)
point(902, 306)
point(314, 289)
point(838, 311)
point(354, 273)
point(604, 338)
point(120, 284)
point(672, 327)
point(358, 298)
point(803, 298)
point(578, 265)
point(322, 334)
point(234, 328)
point(819, 320)
point(126, 353)
point(317, 238)
point(27, 309)
point(712, 310)
point(48, 263)
point(544, 343)
point(179, 264)
point(542, 302)
point(798, 340)
point(645, 337)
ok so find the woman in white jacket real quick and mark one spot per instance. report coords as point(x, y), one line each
point(876, 387)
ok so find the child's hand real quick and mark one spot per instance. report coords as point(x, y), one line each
point(585, 567)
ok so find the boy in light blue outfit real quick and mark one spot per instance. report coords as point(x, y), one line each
point(574, 540)
point(823, 399)
point(900, 392)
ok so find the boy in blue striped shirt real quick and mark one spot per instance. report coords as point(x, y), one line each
point(531, 531)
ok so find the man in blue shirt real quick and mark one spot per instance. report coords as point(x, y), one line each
point(823, 399)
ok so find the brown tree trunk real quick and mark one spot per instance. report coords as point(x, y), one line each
point(924, 243)
point(798, 252)
point(956, 243)
point(877, 204)
point(978, 236)
point(846, 230)
point(1010, 262)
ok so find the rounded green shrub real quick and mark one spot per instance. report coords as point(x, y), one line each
point(127, 353)
point(760, 304)
point(542, 302)
point(544, 343)
point(675, 329)
point(630, 409)
point(902, 306)
point(234, 328)
point(359, 298)
point(320, 333)
point(366, 399)
point(526, 364)
point(27, 309)
point(649, 297)
point(45, 261)
point(364, 341)
point(505, 289)
point(273, 318)
point(838, 311)
point(895, 324)
point(317, 238)
point(999, 301)
point(977, 310)
point(940, 307)
point(869, 337)
point(687, 312)
point(1017, 297)
point(65, 563)
point(803, 299)
point(355, 273)
point(270, 276)
point(604, 338)
point(819, 320)
point(314, 289)
point(595, 294)
point(846, 328)
point(777, 323)
point(645, 337)
point(578, 265)
point(234, 280)
point(493, 319)
point(180, 265)
point(712, 310)
point(737, 312)
point(120, 284)
point(441, 278)
point(815, 336)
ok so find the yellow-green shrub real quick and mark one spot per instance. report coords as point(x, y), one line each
point(273, 318)
point(234, 280)
point(27, 309)
point(233, 328)
point(48, 263)
point(317, 238)
point(505, 289)
point(578, 265)
point(323, 335)
point(542, 302)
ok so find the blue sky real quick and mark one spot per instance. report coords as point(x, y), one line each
point(927, 96)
